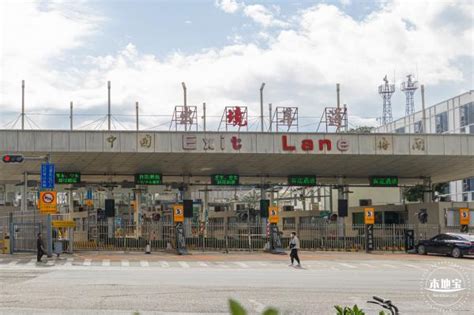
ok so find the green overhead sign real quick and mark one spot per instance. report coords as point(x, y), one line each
point(148, 179)
point(302, 180)
point(383, 181)
point(225, 180)
point(67, 177)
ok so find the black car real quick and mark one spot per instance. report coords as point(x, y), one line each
point(454, 244)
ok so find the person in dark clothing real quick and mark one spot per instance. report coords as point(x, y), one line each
point(294, 246)
point(39, 247)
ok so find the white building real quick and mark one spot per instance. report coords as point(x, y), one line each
point(455, 115)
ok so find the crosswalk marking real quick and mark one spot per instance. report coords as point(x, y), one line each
point(105, 262)
point(13, 262)
point(389, 266)
point(31, 262)
point(68, 262)
point(87, 262)
point(241, 264)
point(164, 264)
point(203, 264)
point(144, 263)
point(367, 265)
point(125, 263)
point(183, 264)
point(50, 263)
point(413, 266)
point(347, 265)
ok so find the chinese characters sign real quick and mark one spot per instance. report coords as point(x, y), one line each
point(47, 176)
point(383, 181)
point(67, 178)
point(148, 179)
point(225, 180)
point(302, 180)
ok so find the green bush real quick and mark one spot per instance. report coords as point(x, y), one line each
point(237, 309)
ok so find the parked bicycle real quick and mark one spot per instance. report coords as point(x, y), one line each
point(386, 304)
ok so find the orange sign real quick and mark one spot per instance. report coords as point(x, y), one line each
point(48, 202)
point(464, 216)
point(89, 202)
point(273, 216)
point(369, 215)
point(178, 213)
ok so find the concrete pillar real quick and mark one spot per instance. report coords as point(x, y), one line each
point(427, 190)
point(24, 198)
point(341, 195)
point(70, 201)
point(137, 213)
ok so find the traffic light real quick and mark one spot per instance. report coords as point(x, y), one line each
point(11, 158)
point(264, 204)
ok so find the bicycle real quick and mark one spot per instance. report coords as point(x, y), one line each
point(386, 304)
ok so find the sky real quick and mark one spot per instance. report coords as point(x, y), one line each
point(223, 50)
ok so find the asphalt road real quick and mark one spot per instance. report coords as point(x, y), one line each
point(156, 285)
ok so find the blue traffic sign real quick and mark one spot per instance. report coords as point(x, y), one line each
point(47, 176)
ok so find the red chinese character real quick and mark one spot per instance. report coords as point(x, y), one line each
point(236, 117)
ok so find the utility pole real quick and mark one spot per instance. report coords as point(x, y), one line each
point(270, 115)
point(108, 113)
point(185, 106)
point(22, 104)
point(261, 106)
point(136, 113)
point(70, 116)
point(423, 113)
point(204, 115)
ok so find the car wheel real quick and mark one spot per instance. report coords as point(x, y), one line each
point(456, 253)
point(421, 250)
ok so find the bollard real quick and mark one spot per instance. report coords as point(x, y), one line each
point(148, 248)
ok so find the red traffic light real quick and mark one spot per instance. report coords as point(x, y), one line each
point(12, 158)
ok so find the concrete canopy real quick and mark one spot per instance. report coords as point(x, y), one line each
point(99, 153)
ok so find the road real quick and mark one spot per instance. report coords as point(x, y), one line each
point(203, 283)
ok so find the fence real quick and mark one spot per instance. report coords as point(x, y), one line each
point(127, 236)
point(244, 236)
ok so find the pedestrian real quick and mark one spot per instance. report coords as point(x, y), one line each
point(294, 246)
point(39, 247)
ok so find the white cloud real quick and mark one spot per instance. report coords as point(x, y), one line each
point(228, 6)
point(263, 16)
point(300, 64)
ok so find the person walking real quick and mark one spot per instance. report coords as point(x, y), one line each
point(39, 247)
point(294, 246)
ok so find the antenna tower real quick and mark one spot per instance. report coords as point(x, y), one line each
point(409, 87)
point(386, 90)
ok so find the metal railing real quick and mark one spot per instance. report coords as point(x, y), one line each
point(21, 229)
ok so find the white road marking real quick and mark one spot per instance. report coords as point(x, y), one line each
point(348, 265)
point(263, 264)
point(241, 264)
point(31, 262)
point(202, 264)
point(183, 264)
point(68, 262)
point(105, 262)
point(164, 264)
point(144, 263)
point(87, 262)
point(414, 266)
point(367, 265)
point(125, 263)
point(50, 263)
point(13, 262)
point(389, 266)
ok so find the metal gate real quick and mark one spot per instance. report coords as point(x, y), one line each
point(24, 236)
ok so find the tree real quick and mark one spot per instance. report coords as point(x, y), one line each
point(361, 129)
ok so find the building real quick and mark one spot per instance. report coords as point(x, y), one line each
point(455, 115)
